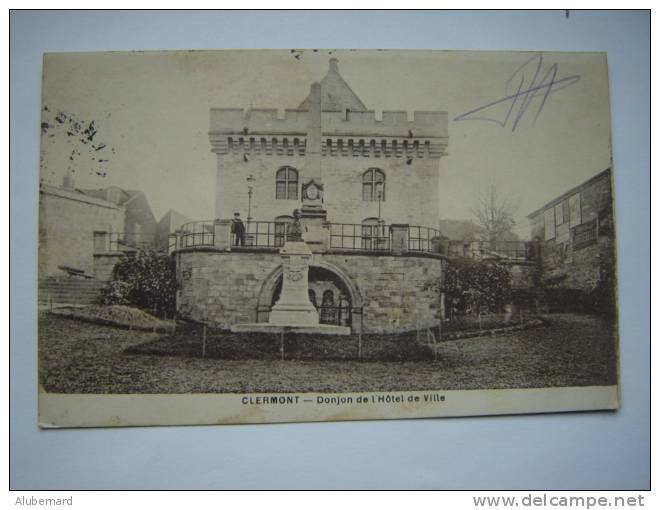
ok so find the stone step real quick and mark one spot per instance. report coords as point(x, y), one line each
point(65, 290)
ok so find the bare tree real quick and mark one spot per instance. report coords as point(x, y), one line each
point(494, 213)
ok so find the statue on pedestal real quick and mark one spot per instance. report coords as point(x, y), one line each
point(294, 232)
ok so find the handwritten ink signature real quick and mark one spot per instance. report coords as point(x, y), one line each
point(520, 91)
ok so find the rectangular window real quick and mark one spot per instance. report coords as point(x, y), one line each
point(100, 241)
point(549, 217)
point(575, 210)
point(559, 214)
point(293, 190)
point(280, 190)
point(366, 192)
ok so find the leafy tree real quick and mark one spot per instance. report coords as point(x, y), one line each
point(146, 280)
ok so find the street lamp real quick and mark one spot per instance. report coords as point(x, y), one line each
point(250, 184)
point(379, 196)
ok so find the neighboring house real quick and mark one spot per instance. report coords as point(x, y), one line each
point(168, 225)
point(76, 224)
point(576, 235)
point(140, 227)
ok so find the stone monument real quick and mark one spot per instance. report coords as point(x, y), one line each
point(293, 307)
point(307, 234)
point(314, 215)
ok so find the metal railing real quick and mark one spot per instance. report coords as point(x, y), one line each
point(424, 239)
point(335, 315)
point(358, 237)
point(264, 234)
point(349, 236)
point(585, 234)
point(499, 249)
point(197, 233)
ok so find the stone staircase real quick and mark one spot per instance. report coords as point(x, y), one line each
point(69, 290)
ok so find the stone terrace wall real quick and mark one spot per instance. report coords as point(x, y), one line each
point(578, 269)
point(393, 290)
point(223, 288)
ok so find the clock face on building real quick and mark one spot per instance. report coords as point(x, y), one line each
point(312, 192)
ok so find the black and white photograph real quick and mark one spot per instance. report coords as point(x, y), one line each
point(252, 236)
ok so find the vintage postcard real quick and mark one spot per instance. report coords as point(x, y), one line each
point(309, 235)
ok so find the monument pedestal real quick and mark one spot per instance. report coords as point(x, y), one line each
point(293, 312)
point(294, 308)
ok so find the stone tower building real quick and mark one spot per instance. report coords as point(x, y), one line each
point(367, 187)
point(393, 155)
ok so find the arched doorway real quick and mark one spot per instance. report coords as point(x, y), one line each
point(331, 292)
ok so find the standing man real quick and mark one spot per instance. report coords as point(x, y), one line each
point(238, 229)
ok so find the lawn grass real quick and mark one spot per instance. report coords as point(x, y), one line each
point(78, 357)
point(115, 315)
point(188, 340)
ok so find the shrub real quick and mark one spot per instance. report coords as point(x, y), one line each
point(146, 280)
point(475, 286)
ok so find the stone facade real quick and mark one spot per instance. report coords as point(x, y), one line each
point(405, 147)
point(342, 179)
point(67, 222)
point(139, 226)
point(576, 233)
point(387, 293)
point(361, 167)
point(104, 263)
point(79, 230)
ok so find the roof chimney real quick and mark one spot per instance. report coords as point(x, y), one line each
point(334, 64)
point(113, 194)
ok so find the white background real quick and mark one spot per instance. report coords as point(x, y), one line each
point(577, 450)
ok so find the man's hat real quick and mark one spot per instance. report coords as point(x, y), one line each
point(237, 214)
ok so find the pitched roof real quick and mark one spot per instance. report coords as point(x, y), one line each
point(604, 174)
point(124, 194)
point(336, 94)
point(173, 219)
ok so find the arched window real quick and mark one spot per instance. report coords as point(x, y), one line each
point(281, 223)
point(312, 297)
point(286, 184)
point(373, 185)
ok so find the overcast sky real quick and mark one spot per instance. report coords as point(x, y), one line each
point(153, 110)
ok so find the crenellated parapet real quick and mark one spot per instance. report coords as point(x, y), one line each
point(395, 134)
